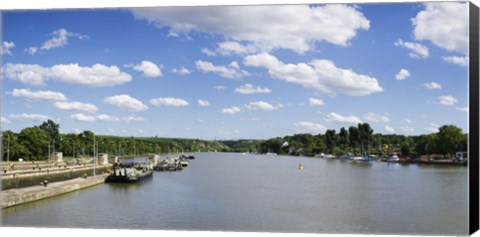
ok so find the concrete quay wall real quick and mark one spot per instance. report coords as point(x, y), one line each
point(14, 180)
point(19, 196)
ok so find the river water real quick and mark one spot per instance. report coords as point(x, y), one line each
point(243, 192)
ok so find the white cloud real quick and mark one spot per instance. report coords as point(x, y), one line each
point(407, 129)
point(418, 50)
point(445, 24)
point(433, 128)
point(133, 118)
point(251, 89)
point(141, 131)
point(60, 39)
point(97, 76)
point(462, 109)
point(181, 71)
point(301, 25)
point(219, 87)
point(432, 86)
point(31, 50)
point(376, 118)
point(5, 48)
point(408, 120)
point(126, 102)
point(231, 71)
point(4, 120)
point(320, 74)
point(461, 61)
point(310, 127)
point(94, 118)
point(168, 101)
point(231, 110)
point(76, 106)
point(389, 129)
point(148, 68)
point(203, 103)
point(337, 118)
point(29, 117)
point(402, 74)
point(262, 105)
point(447, 100)
point(39, 95)
point(315, 102)
point(231, 47)
point(208, 52)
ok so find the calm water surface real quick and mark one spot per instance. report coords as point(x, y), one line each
point(235, 192)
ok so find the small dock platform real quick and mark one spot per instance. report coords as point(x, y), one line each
point(19, 196)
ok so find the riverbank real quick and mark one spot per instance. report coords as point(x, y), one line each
point(19, 196)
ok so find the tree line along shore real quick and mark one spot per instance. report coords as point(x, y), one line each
point(40, 142)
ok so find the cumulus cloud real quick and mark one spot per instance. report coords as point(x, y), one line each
point(376, 118)
point(417, 50)
point(462, 109)
point(60, 38)
point(309, 127)
point(97, 76)
point(219, 87)
point(432, 86)
point(319, 74)
point(262, 105)
point(232, 71)
point(461, 61)
point(4, 120)
point(445, 24)
point(76, 106)
point(133, 118)
point(148, 69)
point(389, 129)
point(251, 89)
point(203, 103)
point(447, 100)
point(125, 102)
point(39, 95)
point(181, 71)
point(29, 117)
point(94, 118)
point(31, 50)
point(231, 110)
point(168, 101)
point(337, 118)
point(251, 26)
point(407, 129)
point(315, 102)
point(5, 48)
point(433, 128)
point(402, 74)
point(208, 52)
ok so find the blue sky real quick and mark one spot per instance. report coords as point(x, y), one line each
point(237, 72)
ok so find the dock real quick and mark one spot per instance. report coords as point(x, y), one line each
point(13, 197)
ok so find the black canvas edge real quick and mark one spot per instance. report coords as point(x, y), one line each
point(473, 148)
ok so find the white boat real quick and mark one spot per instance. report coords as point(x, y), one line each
point(393, 158)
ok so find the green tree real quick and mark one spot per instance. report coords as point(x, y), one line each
point(365, 137)
point(449, 139)
point(343, 139)
point(354, 137)
point(53, 131)
point(36, 141)
point(330, 140)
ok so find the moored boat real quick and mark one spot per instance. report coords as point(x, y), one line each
point(129, 173)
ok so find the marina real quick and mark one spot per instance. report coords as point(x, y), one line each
point(247, 192)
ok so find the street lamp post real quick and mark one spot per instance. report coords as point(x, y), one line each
point(94, 155)
point(8, 151)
